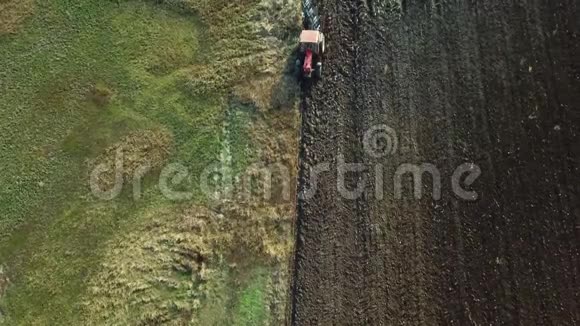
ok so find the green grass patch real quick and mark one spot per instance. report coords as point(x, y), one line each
point(77, 78)
point(240, 298)
point(252, 305)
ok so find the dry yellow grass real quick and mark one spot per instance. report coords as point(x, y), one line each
point(252, 41)
point(276, 91)
point(178, 252)
point(143, 149)
point(12, 13)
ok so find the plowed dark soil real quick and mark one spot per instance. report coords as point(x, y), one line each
point(496, 83)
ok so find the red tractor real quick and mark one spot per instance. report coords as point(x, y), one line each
point(310, 54)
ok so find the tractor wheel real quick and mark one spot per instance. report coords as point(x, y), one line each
point(323, 45)
point(298, 68)
point(318, 71)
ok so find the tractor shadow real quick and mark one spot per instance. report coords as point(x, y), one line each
point(286, 91)
point(291, 88)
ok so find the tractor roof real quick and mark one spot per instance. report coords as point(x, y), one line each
point(309, 36)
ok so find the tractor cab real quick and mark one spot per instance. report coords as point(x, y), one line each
point(313, 40)
point(312, 47)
